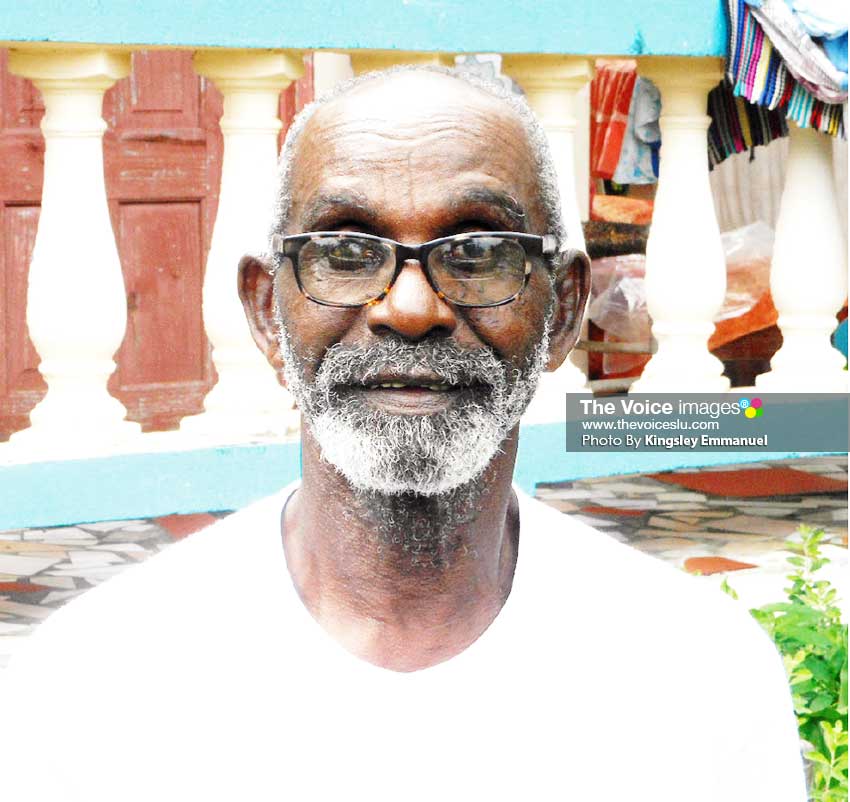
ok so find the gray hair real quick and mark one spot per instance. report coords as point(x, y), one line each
point(549, 195)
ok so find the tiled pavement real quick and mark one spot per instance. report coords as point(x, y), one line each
point(728, 522)
point(710, 522)
point(41, 569)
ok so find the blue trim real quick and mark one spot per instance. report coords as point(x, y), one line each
point(617, 27)
point(143, 485)
point(147, 485)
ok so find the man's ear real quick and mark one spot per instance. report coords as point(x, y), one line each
point(572, 287)
point(256, 291)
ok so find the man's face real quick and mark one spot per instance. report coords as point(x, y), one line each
point(413, 394)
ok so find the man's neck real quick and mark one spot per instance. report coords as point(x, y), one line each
point(404, 582)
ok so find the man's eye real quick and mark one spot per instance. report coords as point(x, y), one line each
point(472, 256)
point(471, 250)
point(351, 255)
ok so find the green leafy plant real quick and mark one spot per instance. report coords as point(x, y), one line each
point(812, 640)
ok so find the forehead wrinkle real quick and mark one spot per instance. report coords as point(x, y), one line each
point(349, 148)
point(486, 122)
point(342, 143)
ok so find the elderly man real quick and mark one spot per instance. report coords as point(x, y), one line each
point(403, 624)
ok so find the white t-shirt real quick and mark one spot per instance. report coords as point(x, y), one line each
point(200, 675)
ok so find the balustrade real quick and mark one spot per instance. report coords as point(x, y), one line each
point(76, 309)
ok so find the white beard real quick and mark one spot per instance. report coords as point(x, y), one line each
point(427, 455)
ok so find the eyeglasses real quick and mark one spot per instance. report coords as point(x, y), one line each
point(487, 268)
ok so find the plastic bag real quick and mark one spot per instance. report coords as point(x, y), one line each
point(748, 253)
point(618, 304)
point(619, 308)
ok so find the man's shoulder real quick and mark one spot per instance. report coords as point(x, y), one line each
point(618, 586)
point(672, 654)
point(237, 545)
point(633, 609)
point(602, 557)
point(208, 576)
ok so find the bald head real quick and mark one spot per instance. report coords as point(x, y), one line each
point(432, 117)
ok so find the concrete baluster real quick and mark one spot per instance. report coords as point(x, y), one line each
point(246, 400)
point(329, 69)
point(552, 85)
point(685, 266)
point(808, 276)
point(76, 304)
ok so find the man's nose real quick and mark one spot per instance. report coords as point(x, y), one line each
point(412, 308)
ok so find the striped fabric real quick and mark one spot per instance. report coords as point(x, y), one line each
point(756, 72)
point(738, 125)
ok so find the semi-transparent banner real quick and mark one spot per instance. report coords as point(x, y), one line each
point(708, 422)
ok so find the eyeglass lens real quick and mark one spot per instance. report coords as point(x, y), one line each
point(351, 271)
point(345, 270)
point(480, 270)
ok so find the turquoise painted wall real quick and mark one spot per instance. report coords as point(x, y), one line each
point(145, 485)
point(674, 27)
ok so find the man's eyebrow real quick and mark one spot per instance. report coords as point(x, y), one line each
point(326, 204)
point(509, 206)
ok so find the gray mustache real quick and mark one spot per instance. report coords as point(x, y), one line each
point(345, 364)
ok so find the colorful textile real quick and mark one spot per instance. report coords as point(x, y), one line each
point(642, 136)
point(737, 125)
point(610, 97)
point(821, 18)
point(757, 70)
point(809, 33)
point(836, 52)
point(805, 59)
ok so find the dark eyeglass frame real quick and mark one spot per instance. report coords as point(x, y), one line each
point(290, 247)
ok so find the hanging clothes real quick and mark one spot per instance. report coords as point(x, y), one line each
point(642, 137)
point(610, 96)
point(738, 125)
point(805, 59)
point(757, 70)
point(825, 19)
point(836, 52)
